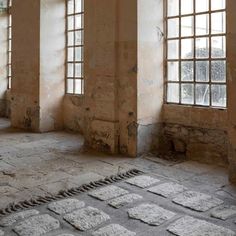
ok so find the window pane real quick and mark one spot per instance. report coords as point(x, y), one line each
point(218, 95)
point(70, 39)
point(202, 24)
point(78, 37)
point(202, 5)
point(173, 28)
point(173, 7)
point(78, 6)
point(173, 49)
point(70, 22)
point(218, 47)
point(202, 71)
point(217, 4)
point(70, 6)
point(202, 94)
point(173, 71)
point(186, 48)
point(78, 86)
point(187, 94)
point(218, 71)
point(78, 70)
point(187, 71)
point(70, 86)
point(218, 23)
point(70, 70)
point(173, 93)
point(78, 21)
point(186, 6)
point(187, 26)
point(70, 54)
point(202, 47)
point(78, 54)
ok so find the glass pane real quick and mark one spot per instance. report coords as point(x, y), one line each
point(218, 47)
point(202, 5)
point(202, 47)
point(186, 48)
point(173, 7)
point(70, 70)
point(187, 26)
point(186, 6)
point(173, 93)
point(202, 24)
point(173, 71)
point(218, 94)
point(218, 23)
point(187, 71)
point(70, 86)
point(78, 37)
point(78, 21)
point(78, 6)
point(173, 49)
point(70, 54)
point(70, 39)
point(173, 28)
point(78, 86)
point(70, 22)
point(217, 4)
point(187, 94)
point(78, 70)
point(70, 6)
point(218, 71)
point(202, 94)
point(202, 71)
point(78, 54)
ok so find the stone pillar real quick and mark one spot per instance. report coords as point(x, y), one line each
point(231, 57)
point(38, 47)
point(3, 61)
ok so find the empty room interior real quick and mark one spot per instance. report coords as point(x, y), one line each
point(117, 117)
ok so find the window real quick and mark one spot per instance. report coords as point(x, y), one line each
point(74, 63)
point(9, 50)
point(196, 52)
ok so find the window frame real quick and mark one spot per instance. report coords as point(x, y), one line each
point(9, 45)
point(74, 46)
point(194, 59)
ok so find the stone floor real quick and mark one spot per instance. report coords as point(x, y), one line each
point(183, 198)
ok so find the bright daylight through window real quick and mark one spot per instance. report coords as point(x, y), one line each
point(196, 52)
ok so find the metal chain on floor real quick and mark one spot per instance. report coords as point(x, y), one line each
point(38, 201)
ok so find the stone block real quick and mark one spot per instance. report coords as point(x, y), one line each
point(142, 181)
point(224, 212)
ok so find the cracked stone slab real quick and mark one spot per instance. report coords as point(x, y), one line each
point(66, 206)
point(86, 218)
point(1, 233)
point(107, 193)
point(167, 189)
point(189, 226)
point(150, 214)
point(124, 200)
point(37, 226)
point(142, 181)
point(197, 201)
point(113, 230)
point(224, 212)
point(13, 218)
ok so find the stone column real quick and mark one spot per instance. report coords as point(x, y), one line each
point(38, 48)
point(231, 57)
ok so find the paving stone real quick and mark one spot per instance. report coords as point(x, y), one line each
point(1, 233)
point(113, 230)
point(151, 214)
point(66, 206)
point(124, 200)
point(224, 212)
point(167, 189)
point(188, 226)
point(65, 235)
point(108, 192)
point(10, 220)
point(86, 218)
point(37, 226)
point(142, 181)
point(197, 201)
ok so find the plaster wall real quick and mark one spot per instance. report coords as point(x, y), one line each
point(3, 62)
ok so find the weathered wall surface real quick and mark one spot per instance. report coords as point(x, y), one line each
point(3, 62)
point(25, 64)
point(231, 56)
point(150, 74)
point(52, 61)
